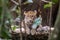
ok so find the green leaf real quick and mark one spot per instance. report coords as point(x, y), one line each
point(55, 1)
point(48, 5)
point(13, 27)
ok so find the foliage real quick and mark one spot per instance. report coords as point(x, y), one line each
point(13, 27)
point(50, 3)
point(5, 14)
point(55, 1)
point(4, 32)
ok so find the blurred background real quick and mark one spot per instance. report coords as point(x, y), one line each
point(29, 19)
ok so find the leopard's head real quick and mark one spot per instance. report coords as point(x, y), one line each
point(30, 14)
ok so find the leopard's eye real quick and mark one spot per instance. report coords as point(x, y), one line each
point(31, 16)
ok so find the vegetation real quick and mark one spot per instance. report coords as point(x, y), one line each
point(5, 15)
point(4, 33)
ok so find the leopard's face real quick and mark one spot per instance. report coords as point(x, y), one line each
point(30, 16)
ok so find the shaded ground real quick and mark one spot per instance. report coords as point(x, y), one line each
point(31, 37)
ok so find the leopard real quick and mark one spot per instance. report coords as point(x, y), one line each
point(29, 18)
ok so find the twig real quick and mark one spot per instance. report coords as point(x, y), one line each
point(45, 1)
point(15, 2)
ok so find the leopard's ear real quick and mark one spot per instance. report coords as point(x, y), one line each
point(24, 12)
point(35, 12)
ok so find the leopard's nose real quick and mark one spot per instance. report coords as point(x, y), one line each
point(30, 21)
